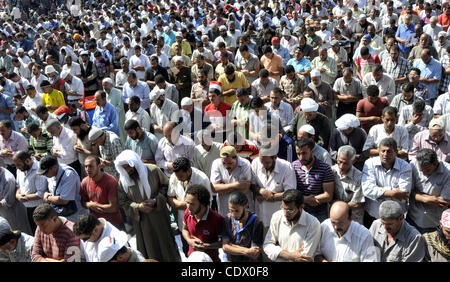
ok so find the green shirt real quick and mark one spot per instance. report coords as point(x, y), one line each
point(42, 145)
point(241, 113)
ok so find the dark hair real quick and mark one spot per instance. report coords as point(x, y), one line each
point(390, 111)
point(131, 124)
point(243, 48)
point(200, 192)
point(21, 110)
point(181, 164)
point(85, 224)
point(256, 102)
point(32, 127)
point(377, 68)
point(263, 73)
point(364, 51)
point(135, 99)
point(96, 158)
point(41, 109)
point(76, 121)
point(159, 79)
point(372, 91)
point(416, 70)
point(22, 156)
point(293, 196)
point(238, 198)
point(102, 93)
point(419, 106)
point(394, 48)
point(408, 87)
point(388, 142)
point(6, 123)
point(44, 212)
point(290, 69)
point(308, 142)
point(267, 49)
point(426, 156)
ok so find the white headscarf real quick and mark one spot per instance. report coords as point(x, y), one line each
point(132, 159)
point(346, 121)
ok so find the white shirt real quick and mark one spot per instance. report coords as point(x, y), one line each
point(36, 82)
point(281, 179)
point(29, 102)
point(284, 113)
point(141, 116)
point(65, 142)
point(386, 85)
point(281, 236)
point(378, 133)
point(376, 180)
point(171, 92)
point(31, 183)
point(142, 60)
point(432, 32)
point(219, 174)
point(164, 60)
point(177, 190)
point(168, 152)
point(75, 69)
point(160, 116)
point(442, 104)
point(356, 245)
point(77, 86)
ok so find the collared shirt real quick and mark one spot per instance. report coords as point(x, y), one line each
point(141, 90)
point(77, 86)
point(109, 151)
point(330, 67)
point(64, 143)
point(162, 115)
point(353, 88)
point(22, 252)
point(283, 53)
point(106, 119)
point(282, 236)
point(396, 69)
point(443, 84)
point(177, 189)
point(376, 180)
point(356, 245)
point(431, 70)
point(406, 114)
point(198, 91)
point(356, 139)
point(259, 90)
point(284, 113)
point(219, 174)
point(405, 33)
point(300, 66)
point(170, 91)
point(30, 103)
point(386, 85)
point(16, 142)
point(311, 182)
point(203, 159)
point(31, 183)
point(145, 148)
point(348, 189)
point(437, 184)
point(422, 140)
point(6, 103)
point(442, 104)
point(293, 88)
point(168, 152)
point(399, 102)
point(141, 116)
point(281, 179)
point(378, 133)
point(249, 65)
point(407, 246)
point(54, 99)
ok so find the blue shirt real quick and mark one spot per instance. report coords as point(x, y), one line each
point(145, 148)
point(141, 90)
point(300, 66)
point(404, 33)
point(6, 103)
point(286, 149)
point(9, 88)
point(431, 70)
point(169, 39)
point(108, 119)
point(283, 53)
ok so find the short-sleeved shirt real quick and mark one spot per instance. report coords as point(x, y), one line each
point(101, 192)
point(251, 235)
point(366, 64)
point(367, 109)
point(273, 65)
point(239, 81)
point(311, 182)
point(208, 230)
point(145, 148)
point(54, 99)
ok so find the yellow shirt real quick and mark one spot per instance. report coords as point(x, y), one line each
point(54, 99)
point(185, 48)
point(239, 81)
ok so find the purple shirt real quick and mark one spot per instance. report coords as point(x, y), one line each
point(311, 183)
point(16, 142)
point(422, 140)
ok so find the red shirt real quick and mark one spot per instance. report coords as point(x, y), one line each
point(223, 108)
point(101, 192)
point(248, 147)
point(444, 20)
point(208, 230)
point(367, 109)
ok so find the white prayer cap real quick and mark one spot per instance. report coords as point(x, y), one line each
point(186, 101)
point(308, 128)
point(261, 13)
point(49, 69)
point(440, 34)
point(286, 32)
point(64, 74)
point(179, 34)
point(199, 257)
point(156, 94)
point(346, 121)
point(31, 53)
point(20, 50)
point(323, 22)
point(315, 72)
point(445, 219)
point(309, 105)
point(108, 80)
point(177, 58)
point(109, 246)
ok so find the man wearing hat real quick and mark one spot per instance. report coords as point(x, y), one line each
point(435, 138)
point(88, 73)
point(309, 115)
point(230, 173)
point(74, 86)
point(322, 93)
point(185, 46)
point(338, 54)
point(438, 241)
point(109, 147)
point(288, 41)
point(307, 131)
point(162, 110)
point(229, 41)
point(441, 44)
point(15, 246)
point(281, 51)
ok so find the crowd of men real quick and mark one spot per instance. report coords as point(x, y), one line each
point(212, 130)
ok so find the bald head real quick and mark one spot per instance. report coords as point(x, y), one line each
point(340, 217)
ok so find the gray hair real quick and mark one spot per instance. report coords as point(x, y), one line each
point(124, 60)
point(388, 142)
point(347, 151)
point(426, 156)
point(390, 210)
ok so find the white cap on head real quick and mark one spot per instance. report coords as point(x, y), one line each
point(309, 105)
point(308, 128)
point(445, 218)
point(186, 101)
point(315, 73)
point(49, 69)
point(346, 121)
point(440, 34)
point(199, 257)
point(108, 246)
point(31, 53)
point(64, 74)
point(156, 94)
point(20, 50)
point(108, 80)
point(179, 34)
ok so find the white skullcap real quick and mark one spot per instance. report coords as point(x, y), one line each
point(186, 101)
point(309, 105)
point(346, 121)
point(156, 94)
point(445, 218)
point(64, 74)
point(177, 58)
point(31, 53)
point(199, 257)
point(286, 32)
point(323, 22)
point(441, 33)
point(315, 72)
point(179, 34)
point(308, 128)
point(20, 50)
point(49, 69)
point(108, 80)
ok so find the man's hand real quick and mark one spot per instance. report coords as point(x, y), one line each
point(145, 207)
point(266, 194)
point(253, 252)
point(311, 201)
point(56, 152)
point(297, 256)
point(196, 244)
point(399, 194)
point(244, 183)
point(170, 167)
point(37, 156)
point(416, 119)
point(436, 201)
point(46, 196)
point(22, 198)
point(105, 162)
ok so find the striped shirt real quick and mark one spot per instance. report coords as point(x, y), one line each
point(42, 145)
point(311, 182)
point(62, 244)
point(396, 69)
point(329, 65)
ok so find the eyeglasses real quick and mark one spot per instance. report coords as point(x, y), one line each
point(290, 211)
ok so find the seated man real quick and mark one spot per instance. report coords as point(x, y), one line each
point(415, 118)
point(430, 190)
point(347, 185)
point(344, 240)
point(437, 242)
point(54, 240)
point(109, 147)
point(435, 138)
point(387, 129)
point(243, 231)
point(385, 177)
point(394, 237)
point(15, 246)
point(294, 234)
point(140, 141)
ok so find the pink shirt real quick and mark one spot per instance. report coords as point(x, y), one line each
point(422, 140)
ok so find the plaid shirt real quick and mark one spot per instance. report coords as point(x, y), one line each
point(109, 151)
point(443, 85)
point(400, 69)
point(41, 145)
point(293, 88)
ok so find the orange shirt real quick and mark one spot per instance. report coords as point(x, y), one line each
point(273, 65)
point(444, 20)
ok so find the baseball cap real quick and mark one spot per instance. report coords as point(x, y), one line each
point(275, 40)
point(95, 133)
point(228, 152)
point(46, 163)
point(61, 111)
point(109, 246)
point(436, 123)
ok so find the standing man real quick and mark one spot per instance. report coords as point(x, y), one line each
point(430, 72)
point(10, 142)
point(140, 141)
point(142, 194)
point(109, 147)
point(114, 97)
point(105, 115)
